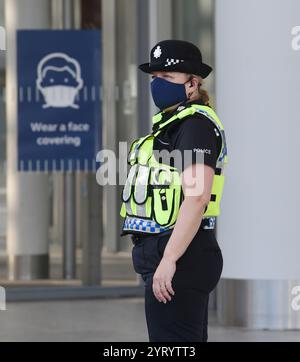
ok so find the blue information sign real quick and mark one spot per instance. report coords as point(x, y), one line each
point(59, 99)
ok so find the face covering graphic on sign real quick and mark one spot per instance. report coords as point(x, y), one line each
point(59, 100)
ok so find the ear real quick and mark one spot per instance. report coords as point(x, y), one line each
point(193, 83)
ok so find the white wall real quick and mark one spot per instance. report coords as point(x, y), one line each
point(258, 96)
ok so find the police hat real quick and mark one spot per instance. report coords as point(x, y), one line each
point(176, 56)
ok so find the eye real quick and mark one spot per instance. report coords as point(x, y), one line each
point(153, 76)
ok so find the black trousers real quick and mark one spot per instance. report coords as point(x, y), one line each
point(185, 317)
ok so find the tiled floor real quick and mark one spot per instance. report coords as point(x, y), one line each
point(103, 320)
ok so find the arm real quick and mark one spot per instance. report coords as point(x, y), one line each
point(197, 191)
point(191, 210)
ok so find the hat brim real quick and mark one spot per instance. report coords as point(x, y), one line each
point(202, 69)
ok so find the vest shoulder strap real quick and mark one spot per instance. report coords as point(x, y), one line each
point(184, 112)
point(194, 108)
point(210, 114)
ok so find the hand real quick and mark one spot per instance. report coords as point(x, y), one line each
point(162, 280)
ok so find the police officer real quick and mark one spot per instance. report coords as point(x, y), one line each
point(170, 204)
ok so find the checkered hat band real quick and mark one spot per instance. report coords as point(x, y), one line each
point(172, 61)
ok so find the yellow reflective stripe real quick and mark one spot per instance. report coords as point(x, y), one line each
point(132, 154)
point(157, 117)
point(164, 124)
point(186, 112)
point(180, 115)
point(123, 210)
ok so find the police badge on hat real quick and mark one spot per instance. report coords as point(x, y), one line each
point(177, 56)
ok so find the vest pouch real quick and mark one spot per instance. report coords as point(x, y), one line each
point(141, 186)
point(128, 187)
point(165, 196)
point(136, 191)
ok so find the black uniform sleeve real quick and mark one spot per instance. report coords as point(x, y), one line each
point(198, 135)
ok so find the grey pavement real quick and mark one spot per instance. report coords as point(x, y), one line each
point(104, 320)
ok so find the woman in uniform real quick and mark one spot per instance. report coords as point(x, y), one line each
point(175, 248)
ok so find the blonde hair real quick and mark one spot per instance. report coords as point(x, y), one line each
point(203, 94)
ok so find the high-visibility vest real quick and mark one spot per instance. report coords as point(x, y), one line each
point(152, 194)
